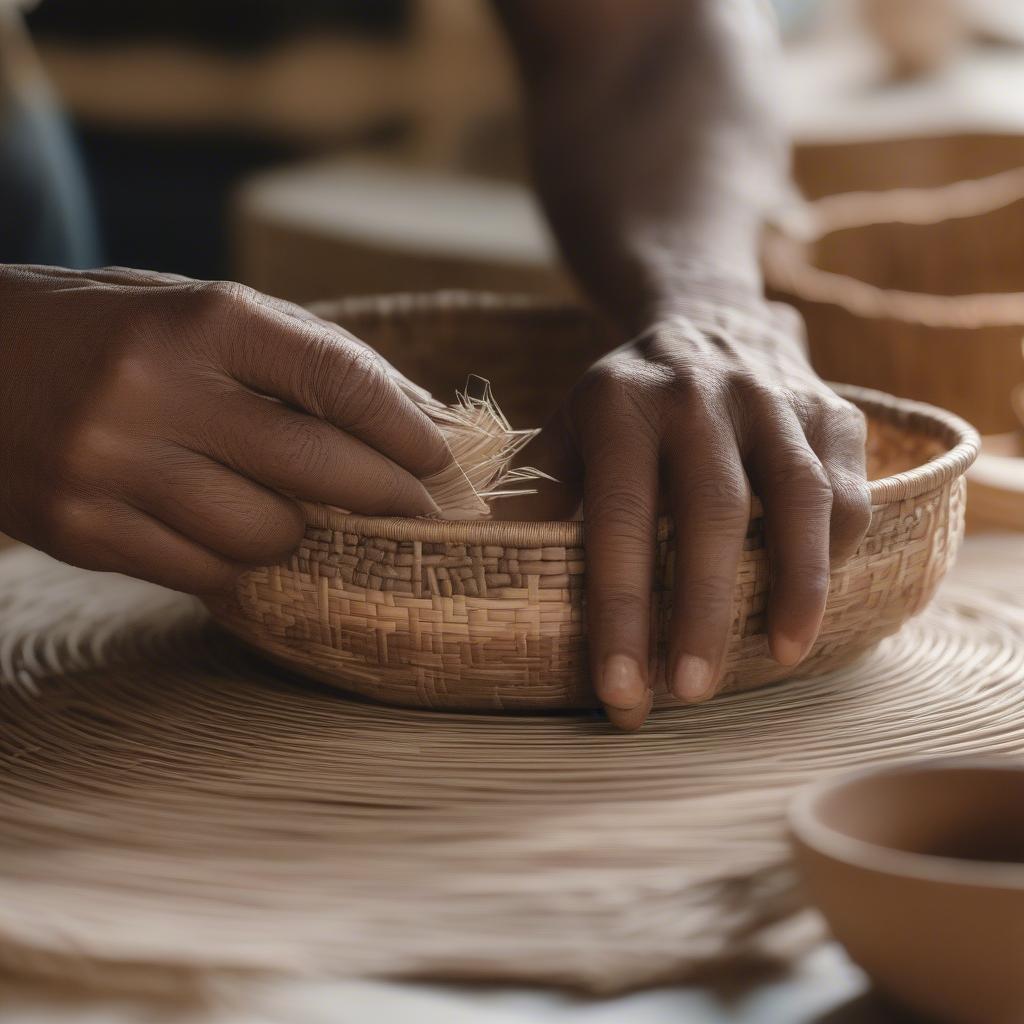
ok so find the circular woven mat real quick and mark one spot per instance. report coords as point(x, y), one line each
point(168, 804)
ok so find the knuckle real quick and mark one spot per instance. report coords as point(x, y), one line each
point(409, 496)
point(132, 372)
point(695, 405)
point(842, 426)
point(264, 536)
point(361, 389)
point(395, 492)
point(765, 395)
point(800, 480)
point(219, 313)
point(621, 511)
point(851, 513)
point(218, 299)
point(746, 384)
point(621, 399)
point(374, 399)
point(388, 490)
point(71, 523)
point(306, 448)
point(284, 537)
point(613, 387)
point(614, 605)
point(857, 422)
point(721, 499)
point(89, 450)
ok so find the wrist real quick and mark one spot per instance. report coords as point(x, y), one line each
point(747, 320)
point(707, 293)
point(683, 264)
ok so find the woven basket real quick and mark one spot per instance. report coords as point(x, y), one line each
point(917, 292)
point(489, 615)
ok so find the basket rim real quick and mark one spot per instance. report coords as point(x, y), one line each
point(961, 438)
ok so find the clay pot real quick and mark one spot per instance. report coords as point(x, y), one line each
point(919, 871)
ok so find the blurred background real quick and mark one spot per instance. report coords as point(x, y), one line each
point(315, 148)
point(199, 124)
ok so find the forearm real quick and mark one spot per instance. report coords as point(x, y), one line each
point(655, 141)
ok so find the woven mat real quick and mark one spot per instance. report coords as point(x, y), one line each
point(170, 806)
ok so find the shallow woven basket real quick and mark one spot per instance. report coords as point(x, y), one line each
point(917, 291)
point(489, 615)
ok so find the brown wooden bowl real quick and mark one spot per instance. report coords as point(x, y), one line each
point(995, 484)
point(916, 291)
point(919, 871)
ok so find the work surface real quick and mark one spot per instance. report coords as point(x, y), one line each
point(820, 988)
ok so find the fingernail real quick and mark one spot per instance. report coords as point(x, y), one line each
point(634, 718)
point(622, 683)
point(694, 678)
point(788, 651)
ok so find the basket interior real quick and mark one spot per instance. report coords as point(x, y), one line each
point(533, 356)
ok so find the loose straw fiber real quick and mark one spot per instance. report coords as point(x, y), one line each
point(170, 805)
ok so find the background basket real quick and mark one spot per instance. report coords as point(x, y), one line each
point(489, 615)
point(916, 291)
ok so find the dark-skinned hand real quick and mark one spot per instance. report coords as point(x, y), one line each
point(703, 409)
point(162, 427)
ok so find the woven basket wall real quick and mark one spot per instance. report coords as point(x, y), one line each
point(489, 615)
point(917, 292)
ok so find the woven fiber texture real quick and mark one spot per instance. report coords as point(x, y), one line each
point(490, 616)
point(170, 806)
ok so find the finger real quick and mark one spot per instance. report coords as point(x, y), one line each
point(219, 509)
point(797, 499)
point(620, 506)
point(711, 507)
point(112, 537)
point(305, 457)
point(318, 370)
point(320, 314)
point(127, 276)
point(133, 277)
point(839, 440)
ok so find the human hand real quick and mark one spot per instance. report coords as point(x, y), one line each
point(162, 427)
point(704, 407)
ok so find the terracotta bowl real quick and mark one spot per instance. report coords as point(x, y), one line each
point(919, 870)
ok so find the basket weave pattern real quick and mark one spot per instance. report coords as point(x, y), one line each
point(490, 615)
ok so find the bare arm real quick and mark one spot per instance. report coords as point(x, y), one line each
point(656, 152)
point(655, 141)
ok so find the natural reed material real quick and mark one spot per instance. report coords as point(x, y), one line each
point(171, 806)
point(489, 615)
point(483, 445)
point(919, 292)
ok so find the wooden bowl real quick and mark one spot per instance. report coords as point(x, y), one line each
point(919, 871)
point(489, 615)
point(995, 484)
point(917, 291)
